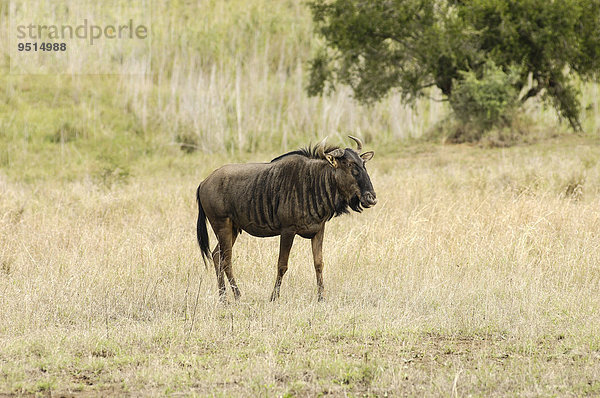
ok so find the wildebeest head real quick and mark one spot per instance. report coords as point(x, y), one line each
point(351, 175)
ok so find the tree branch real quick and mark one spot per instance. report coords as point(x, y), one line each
point(531, 93)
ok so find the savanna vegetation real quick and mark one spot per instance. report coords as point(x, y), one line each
point(485, 57)
point(477, 273)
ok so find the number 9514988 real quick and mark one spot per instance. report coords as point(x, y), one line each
point(42, 46)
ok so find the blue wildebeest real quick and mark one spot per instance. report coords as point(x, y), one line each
point(294, 194)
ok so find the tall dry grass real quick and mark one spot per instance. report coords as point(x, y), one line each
point(235, 79)
point(477, 272)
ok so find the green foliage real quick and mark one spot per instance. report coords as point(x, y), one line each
point(188, 142)
point(320, 73)
point(410, 45)
point(486, 101)
point(372, 47)
point(66, 133)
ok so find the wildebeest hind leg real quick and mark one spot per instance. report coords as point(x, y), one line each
point(218, 262)
point(285, 245)
point(229, 269)
point(222, 255)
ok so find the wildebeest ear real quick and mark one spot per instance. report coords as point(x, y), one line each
point(336, 153)
point(367, 156)
point(331, 160)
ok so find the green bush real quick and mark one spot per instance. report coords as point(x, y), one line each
point(482, 102)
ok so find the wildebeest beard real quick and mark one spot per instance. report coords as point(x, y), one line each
point(355, 204)
point(341, 207)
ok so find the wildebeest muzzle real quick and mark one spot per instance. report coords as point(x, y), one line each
point(368, 199)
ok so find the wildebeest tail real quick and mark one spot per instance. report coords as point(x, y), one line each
point(201, 230)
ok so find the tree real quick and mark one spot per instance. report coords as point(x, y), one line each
point(375, 46)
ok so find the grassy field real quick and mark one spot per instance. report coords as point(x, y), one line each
point(477, 273)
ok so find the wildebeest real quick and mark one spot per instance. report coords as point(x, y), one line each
point(294, 194)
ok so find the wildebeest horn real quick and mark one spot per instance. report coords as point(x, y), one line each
point(358, 143)
point(321, 148)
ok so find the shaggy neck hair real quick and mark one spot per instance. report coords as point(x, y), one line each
point(338, 205)
point(311, 152)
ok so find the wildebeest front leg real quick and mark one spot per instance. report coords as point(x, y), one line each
point(317, 249)
point(285, 245)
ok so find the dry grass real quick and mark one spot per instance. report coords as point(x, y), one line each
point(476, 274)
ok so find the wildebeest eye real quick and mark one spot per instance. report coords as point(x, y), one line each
point(355, 172)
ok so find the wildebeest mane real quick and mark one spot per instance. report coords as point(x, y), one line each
point(311, 152)
point(339, 204)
